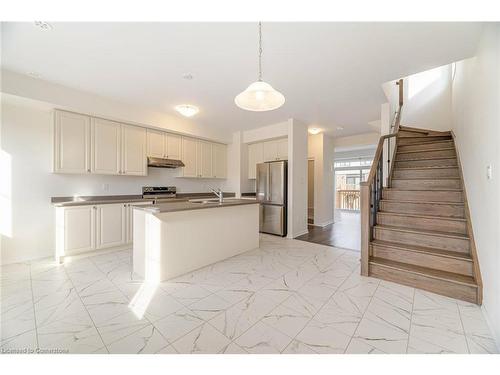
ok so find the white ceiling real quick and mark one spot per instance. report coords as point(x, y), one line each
point(330, 73)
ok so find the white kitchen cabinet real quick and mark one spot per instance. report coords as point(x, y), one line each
point(282, 149)
point(276, 150)
point(204, 159)
point(134, 160)
point(255, 156)
point(173, 146)
point(189, 146)
point(77, 226)
point(106, 146)
point(111, 225)
point(219, 160)
point(156, 143)
point(71, 143)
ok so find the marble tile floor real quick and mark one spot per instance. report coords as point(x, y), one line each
point(287, 297)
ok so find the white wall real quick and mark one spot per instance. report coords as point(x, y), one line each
point(26, 147)
point(321, 150)
point(476, 124)
point(359, 141)
point(427, 99)
point(297, 178)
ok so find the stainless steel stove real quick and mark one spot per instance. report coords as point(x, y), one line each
point(159, 193)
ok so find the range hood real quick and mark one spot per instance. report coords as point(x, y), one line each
point(164, 163)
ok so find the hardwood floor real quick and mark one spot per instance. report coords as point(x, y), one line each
point(344, 233)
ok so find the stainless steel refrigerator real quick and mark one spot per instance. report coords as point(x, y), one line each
point(272, 194)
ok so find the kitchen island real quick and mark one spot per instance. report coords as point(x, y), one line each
point(175, 238)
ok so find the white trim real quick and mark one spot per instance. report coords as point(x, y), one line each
point(298, 234)
point(322, 225)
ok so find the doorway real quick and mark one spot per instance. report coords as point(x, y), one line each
point(310, 191)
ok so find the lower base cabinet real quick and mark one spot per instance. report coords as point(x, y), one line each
point(92, 227)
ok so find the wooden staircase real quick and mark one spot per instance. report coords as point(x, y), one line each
point(420, 233)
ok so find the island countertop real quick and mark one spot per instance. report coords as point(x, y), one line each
point(191, 205)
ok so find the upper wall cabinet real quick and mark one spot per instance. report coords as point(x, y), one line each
point(134, 161)
point(276, 150)
point(71, 143)
point(203, 159)
point(219, 160)
point(266, 151)
point(164, 145)
point(106, 146)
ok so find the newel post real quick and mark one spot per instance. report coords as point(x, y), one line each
point(365, 227)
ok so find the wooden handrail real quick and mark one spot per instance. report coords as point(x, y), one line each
point(378, 155)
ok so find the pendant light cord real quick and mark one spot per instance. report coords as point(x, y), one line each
point(260, 51)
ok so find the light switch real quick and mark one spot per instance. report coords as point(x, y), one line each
point(489, 172)
point(105, 187)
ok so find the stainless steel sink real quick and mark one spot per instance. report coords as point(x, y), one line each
point(205, 201)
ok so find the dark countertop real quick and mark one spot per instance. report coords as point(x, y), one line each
point(190, 205)
point(109, 199)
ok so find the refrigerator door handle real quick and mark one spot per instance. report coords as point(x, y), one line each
point(269, 182)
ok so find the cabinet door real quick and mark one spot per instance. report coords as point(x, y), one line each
point(71, 143)
point(270, 150)
point(111, 225)
point(106, 146)
point(283, 149)
point(219, 160)
point(173, 149)
point(79, 229)
point(189, 157)
point(134, 161)
point(204, 159)
point(156, 143)
point(255, 156)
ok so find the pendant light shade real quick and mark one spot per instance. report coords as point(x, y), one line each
point(260, 96)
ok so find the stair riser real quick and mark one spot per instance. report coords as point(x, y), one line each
point(443, 287)
point(426, 173)
point(409, 133)
point(426, 154)
point(427, 163)
point(447, 210)
point(403, 141)
point(460, 266)
point(423, 239)
point(422, 195)
point(425, 146)
point(426, 184)
point(440, 225)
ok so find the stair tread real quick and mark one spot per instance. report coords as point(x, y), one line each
point(423, 249)
point(426, 150)
point(427, 178)
point(427, 168)
point(431, 158)
point(428, 202)
point(434, 190)
point(423, 231)
point(429, 142)
point(422, 216)
point(429, 272)
point(420, 130)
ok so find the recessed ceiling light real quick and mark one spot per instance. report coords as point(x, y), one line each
point(340, 128)
point(187, 76)
point(314, 131)
point(187, 110)
point(42, 25)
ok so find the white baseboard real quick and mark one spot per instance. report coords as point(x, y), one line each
point(295, 235)
point(322, 225)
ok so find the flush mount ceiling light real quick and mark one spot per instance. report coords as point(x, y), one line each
point(340, 128)
point(187, 110)
point(260, 96)
point(42, 25)
point(314, 131)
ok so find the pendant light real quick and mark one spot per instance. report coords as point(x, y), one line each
point(260, 96)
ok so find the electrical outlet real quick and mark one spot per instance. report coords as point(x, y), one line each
point(489, 172)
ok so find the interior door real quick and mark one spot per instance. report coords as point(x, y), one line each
point(276, 183)
point(262, 185)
